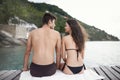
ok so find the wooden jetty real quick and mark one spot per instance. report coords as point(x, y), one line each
point(10, 74)
point(109, 72)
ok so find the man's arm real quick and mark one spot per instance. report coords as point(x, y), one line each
point(58, 47)
point(27, 54)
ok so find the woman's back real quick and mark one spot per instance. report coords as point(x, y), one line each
point(74, 57)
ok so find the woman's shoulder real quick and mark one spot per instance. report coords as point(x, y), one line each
point(66, 37)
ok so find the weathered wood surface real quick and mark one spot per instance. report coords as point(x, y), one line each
point(109, 72)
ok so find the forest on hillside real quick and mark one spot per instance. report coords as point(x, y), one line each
point(33, 12)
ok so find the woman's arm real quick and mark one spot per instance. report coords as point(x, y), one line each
point(63, 52)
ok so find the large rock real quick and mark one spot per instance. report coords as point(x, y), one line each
point(6, 40)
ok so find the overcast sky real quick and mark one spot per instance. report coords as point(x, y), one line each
point(103, 14)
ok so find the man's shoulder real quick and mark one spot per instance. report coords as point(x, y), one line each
point(33, 31)
point(56, 32)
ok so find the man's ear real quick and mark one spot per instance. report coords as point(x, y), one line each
point(49, 22)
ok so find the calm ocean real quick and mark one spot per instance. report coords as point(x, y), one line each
point(96, 53)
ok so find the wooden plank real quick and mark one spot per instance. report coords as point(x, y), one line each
point(115, 73)
point(7, 74)
point(108, 73)
point(116, 69)
point(100, 72)
point(13, 75)
point(96, 72)
point(3, 72)
point(17, 77)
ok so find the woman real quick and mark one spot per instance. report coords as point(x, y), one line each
point(73, 48)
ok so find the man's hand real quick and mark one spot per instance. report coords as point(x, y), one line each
point(25, 69)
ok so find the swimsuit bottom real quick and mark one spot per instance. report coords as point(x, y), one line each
point(42, 70)
point(74, 70)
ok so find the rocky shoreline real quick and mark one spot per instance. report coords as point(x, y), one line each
point(7, 41)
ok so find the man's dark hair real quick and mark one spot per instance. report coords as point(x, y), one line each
point(47, 17)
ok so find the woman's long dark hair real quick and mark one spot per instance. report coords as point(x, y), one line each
point(78, 33)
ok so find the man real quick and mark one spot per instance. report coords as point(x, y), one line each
point(43, 42)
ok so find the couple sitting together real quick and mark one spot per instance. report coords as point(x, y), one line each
point(45, 40)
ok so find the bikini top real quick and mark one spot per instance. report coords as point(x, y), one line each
point(76, 50)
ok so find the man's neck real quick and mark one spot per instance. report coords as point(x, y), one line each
point(46, 26)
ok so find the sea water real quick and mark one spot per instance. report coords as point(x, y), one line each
point(96, 53)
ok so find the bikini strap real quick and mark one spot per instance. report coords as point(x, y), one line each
point(76, 50)
point(84, 67)
point(70, 49)
point(63, 66)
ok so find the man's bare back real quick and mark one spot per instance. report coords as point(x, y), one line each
point(43, 41)
point(43, 44)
